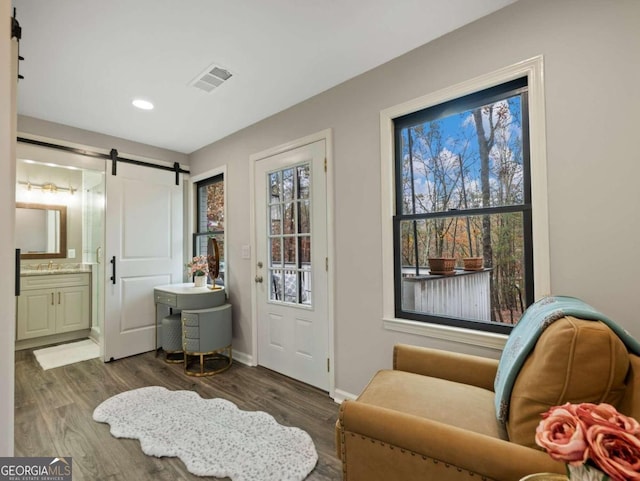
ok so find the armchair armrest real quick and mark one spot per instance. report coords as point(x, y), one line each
point(378, 443)
point(463, 368)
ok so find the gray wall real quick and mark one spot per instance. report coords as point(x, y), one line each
point(592, 73)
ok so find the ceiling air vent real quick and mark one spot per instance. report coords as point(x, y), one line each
point(212, 77)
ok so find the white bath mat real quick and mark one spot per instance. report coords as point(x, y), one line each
point(212, 437)
point(64, 354)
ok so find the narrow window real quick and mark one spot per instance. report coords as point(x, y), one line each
point(210, 218)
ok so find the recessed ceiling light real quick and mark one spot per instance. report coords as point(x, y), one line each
point(142, 104)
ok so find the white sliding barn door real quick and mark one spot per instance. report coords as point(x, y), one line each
point(144, 248)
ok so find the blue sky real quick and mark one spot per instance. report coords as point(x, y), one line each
point(453, 138)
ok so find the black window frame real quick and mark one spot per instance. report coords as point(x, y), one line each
point(198, 234)
point(444, 109)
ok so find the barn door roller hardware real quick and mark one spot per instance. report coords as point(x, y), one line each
point(113, 156)
point(115, 159)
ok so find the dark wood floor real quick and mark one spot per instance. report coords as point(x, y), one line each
point(54, 413)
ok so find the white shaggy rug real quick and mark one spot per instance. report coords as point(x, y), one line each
point(211, 436)
point(69, 353)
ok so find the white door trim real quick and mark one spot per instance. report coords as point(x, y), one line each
point(327, 136)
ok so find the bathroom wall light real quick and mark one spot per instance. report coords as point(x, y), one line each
point(49, 188)
point(142, 104)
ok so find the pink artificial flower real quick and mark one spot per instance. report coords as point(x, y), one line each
point(614, 451)
point(199, 266)
point(605, 414)
point(561, 434)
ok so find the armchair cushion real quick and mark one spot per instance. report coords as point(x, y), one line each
point(573, 361)
point(452, 403)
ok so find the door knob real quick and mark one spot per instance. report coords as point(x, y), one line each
point(258, 278)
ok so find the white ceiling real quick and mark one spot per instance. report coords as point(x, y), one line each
point(85, 60)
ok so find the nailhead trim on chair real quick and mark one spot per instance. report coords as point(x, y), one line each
point(402, 450)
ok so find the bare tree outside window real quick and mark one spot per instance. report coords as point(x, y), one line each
point(463, 191)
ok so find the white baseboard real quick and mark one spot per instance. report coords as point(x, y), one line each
point(243, 358)
point(95, 334)
point(340, 395)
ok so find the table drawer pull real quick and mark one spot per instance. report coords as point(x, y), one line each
point(166, 299)
point(190, 319)
point(192, 332)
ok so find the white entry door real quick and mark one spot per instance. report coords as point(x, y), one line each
point(144, 249)
point(291, 264)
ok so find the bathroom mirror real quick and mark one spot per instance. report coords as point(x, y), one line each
point(41, 231)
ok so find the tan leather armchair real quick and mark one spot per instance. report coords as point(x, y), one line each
point(432, 417)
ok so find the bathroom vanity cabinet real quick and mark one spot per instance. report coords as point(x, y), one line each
point(53, 304)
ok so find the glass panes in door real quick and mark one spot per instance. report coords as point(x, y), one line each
point(289, 235)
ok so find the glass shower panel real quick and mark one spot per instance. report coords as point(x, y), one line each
point(93, 221)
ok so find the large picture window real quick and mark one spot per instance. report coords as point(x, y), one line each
point(463, 198)
point(210, 218)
